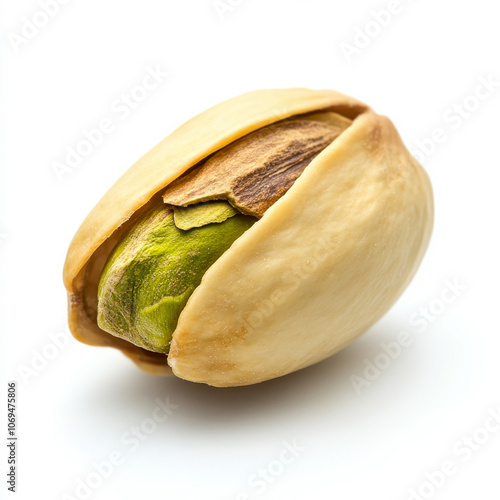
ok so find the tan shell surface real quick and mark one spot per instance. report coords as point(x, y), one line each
point(322, 265)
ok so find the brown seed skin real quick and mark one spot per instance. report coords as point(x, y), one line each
point(256, 170)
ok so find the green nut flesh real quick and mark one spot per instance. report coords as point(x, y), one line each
point(202, 214)
point(153, 271)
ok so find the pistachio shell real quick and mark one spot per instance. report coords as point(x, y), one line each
point(325, 262)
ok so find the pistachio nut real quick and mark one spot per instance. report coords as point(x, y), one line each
point(260, 237)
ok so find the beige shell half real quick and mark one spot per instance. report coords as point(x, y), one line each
point(325, 262)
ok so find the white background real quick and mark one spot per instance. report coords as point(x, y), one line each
point(380, 442)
